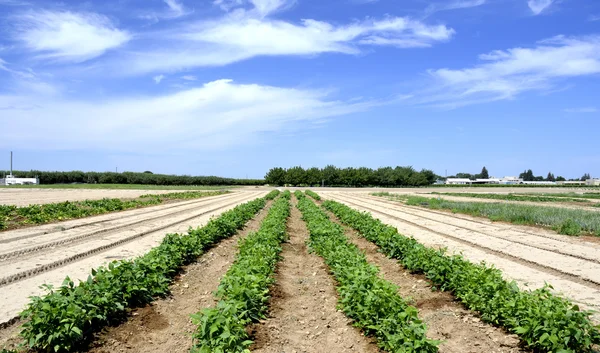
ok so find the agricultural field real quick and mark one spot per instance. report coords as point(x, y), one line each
point(327, 270)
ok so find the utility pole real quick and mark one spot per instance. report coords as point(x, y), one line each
point(11, 167)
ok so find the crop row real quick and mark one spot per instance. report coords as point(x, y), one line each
point(244, 291)
point(65, 317)
point(513, 197)
point(13, 216)
point(562, 220)
point(543, 321)
point(373, 303)
point(313, 194)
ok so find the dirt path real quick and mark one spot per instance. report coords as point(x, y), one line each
point(303, 316)
point(22, 275)
point(447, 320)
point(528, 274)
point(25, 197)
point(165, 326)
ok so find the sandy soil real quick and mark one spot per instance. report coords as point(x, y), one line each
point(447, 320)
point(165, 326)
point(303, 315)
point(25, 197)
point(49, 258)
point(526, 254)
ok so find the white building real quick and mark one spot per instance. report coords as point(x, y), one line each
point(539, 183)
point(11, 180)
point(458, 181)
point(592, 182)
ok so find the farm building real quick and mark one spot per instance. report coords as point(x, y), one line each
point(458, 181)
point(506, 181)
point(11, 180)
point(592, 182)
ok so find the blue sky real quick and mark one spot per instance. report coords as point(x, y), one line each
point(234, 87)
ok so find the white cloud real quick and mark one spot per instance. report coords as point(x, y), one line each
point(582, 110)
point(240, 36)
point(593, 18)
point(68, 36)
point(218, 114)
point(158, 78)
point(261, 8)
point(504, 74)
point(176, 7)
point(189, 78)
point(453, 5)
point(538, 6)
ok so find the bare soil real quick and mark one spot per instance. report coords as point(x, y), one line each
point(303, 315)
point(530, 256)
point(73, 249)
point(165, 326)
point(447, 320)
point(25, 197)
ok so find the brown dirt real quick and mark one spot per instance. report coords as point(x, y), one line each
point(165, 326)
point(303, 315)
point(447, 320)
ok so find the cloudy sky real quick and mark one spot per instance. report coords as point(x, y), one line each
point(234, 87)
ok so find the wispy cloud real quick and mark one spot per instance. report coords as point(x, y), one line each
point(189, 78)
point(503, 74)
point(217, 115)
point(538, 6)
point(453, 5)
point(242, 35)
point(158, 78)
point(582, 110)
point(594, 18)
point(13, 3)
point(68, 36)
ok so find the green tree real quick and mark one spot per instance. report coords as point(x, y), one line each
point(275, 176)
point(296, 176)
point(585, 177)
point(550, 177)
point(484, 173)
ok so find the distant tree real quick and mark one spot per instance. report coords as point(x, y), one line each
point(550, 177)
point(275, 176)
point(331, 175)
point(527, 175)
point(585, 177)
point(295, 176)
point(484, 173)
point(148, 172)
point(465, 176)
point(560, 178)
point(430, 175)
point(314, 176)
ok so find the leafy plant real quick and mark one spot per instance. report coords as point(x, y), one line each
point(373, 303)
point(244, 291)
point(60, 320)
point(313, 194)
point(12, 216)
point(543, 321)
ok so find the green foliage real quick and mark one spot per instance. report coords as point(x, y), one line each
point(543, 321)
point(128, 178)
point(373, 303)
point(13, 216)
point(60, 320)
point(513, 197)
point(358, 177)
point(551, 217)
point(244, 291)
point(313, 194)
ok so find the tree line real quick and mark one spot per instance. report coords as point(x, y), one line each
point(350, 177)
point(145, 178)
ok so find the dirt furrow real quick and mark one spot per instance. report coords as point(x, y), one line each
point(577, 266)
point(303, 315)
point(525, 274)
point(14, 296)
point(42, 234)
point(46, 258)
point(165, 326)
point(447, 320)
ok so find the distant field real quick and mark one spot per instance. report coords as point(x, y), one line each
point(121, 187)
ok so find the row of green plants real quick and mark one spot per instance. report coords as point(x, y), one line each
point(544, 322)
point(562, 220)
point(13, 217)
point(244, 290)
point(66, 317)
point(513, 197)
point(584, 195)
point(369, 300)
point(313, 194)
